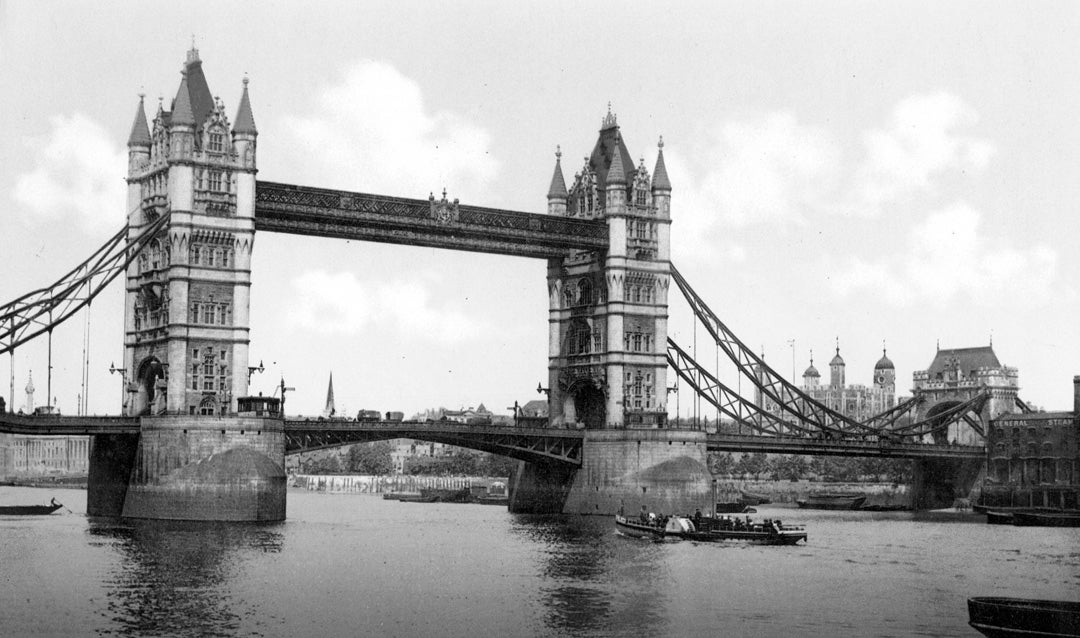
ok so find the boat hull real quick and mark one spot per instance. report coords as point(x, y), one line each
point(835, 502)
point(28, 510)
point(633, 528)
point(1024, 617)
point(1046, 519)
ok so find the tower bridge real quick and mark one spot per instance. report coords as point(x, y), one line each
point(184, 448)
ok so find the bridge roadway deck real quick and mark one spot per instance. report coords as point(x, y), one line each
point(67, 425)
point(321, 212)
point(842, 447)
point(524, 443)
point(530, 443)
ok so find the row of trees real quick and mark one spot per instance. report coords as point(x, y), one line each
point(374, 459)
point(789, 467)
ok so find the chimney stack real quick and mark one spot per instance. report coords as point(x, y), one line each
point(1076, 395)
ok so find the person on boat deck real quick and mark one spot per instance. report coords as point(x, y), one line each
point(697, 516)
point(644, 515)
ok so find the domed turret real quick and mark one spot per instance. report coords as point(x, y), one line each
point(884, 363)
point(836, 368)
point(811, 376)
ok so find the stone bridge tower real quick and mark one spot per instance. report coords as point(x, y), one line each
point(186, 325)
point(608, 312)
point(186, 307)
point(607, 358)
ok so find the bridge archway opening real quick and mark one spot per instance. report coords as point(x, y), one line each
point(148, 396)
point(586, 404)
point(940, 425)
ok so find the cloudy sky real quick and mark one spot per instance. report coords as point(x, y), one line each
point(902, 173)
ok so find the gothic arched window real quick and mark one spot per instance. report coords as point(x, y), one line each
point(585, 295)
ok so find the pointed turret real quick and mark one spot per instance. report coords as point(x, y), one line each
point(557, 194)
point(140, 131)
point(660, 179)
point(181, 107)
point(245, 122)
point(616, 174)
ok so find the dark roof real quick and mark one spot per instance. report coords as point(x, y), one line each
point(969, 360)
point(811, 372)
point(558, 184)
point(140, 131)
point(195, 92)
point(245, 122)
point(837, 360)
point(884, 363)
point(181, 105)
point(660, 179)
point(602, 155)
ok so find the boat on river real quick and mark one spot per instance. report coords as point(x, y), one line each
point(1000, 617)
point(712, 530)
point(1046, 519)
point(30, 510)
point(832, 501)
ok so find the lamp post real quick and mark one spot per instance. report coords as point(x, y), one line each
point(675, 389)
point(282, 387)
point(123, 382)
point(252, 370)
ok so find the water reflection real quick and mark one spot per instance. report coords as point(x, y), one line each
point(174, 576)
point(594, 582)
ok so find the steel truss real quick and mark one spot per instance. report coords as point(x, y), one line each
point(810, 417)
point(38, 312)
point(526, 444)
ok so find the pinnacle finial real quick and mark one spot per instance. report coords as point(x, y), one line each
point(245, 80)
point(609, 119)
point(558, 153)
point(660, 144)
point(838, 344)
point(811, 357)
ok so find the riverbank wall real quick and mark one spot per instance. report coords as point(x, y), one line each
point(370, 484)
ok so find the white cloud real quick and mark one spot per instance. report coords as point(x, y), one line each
point(947, 257)
point(919, 143)
point(77, 175)
point(773, 169)
point(373, 132)
point(339, 303)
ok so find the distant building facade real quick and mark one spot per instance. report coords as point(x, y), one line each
point(35, 457)
point(856, 401)
point(1033, 460)
point(957, 375)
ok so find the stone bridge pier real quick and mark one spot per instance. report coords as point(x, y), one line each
point(937, 483)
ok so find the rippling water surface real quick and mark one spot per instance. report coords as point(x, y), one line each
point(348, 565)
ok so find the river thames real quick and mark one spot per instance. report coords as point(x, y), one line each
point(351, 565)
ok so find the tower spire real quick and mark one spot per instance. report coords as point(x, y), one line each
point(558, 184)
point(616, 173)
point(245, 122)
point(330, 410)
point(660, 179)
point(181, 110)
point(140, 131)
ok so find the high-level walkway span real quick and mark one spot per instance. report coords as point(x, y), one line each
point(321, 212)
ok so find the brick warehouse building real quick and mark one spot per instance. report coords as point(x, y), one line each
point(1033, 460)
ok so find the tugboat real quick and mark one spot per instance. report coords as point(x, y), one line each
point(711, 530)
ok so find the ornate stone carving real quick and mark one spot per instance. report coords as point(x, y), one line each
point(443, 211)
